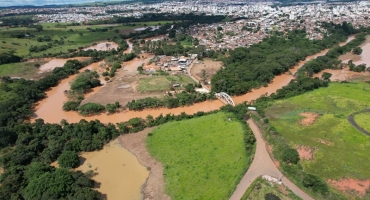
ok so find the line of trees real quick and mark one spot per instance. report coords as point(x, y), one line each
point(330, 59)
point(183, 98)
point(9, 57)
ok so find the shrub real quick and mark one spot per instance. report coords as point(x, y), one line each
point(71, 105)
point(315, 183)
point(90, 108)
point(290, 155)
point(68, 159)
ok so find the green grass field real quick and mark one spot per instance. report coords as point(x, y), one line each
point(363, 120)
point(24, 69)
point(260, 187)
point(341, 150)
point(72, 40)
point(162, 83)
point(203, 158)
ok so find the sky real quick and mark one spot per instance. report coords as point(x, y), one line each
point(5, 3)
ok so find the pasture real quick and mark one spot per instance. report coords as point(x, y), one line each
point(162, 83)
point(203, 158)
point(339, 150)
point(73, 37)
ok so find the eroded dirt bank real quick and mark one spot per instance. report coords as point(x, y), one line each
point(154, 186)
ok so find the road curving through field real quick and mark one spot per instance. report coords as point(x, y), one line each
point(352, 121)
point(263, 165)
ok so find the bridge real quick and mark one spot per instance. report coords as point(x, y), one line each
point(225, 98)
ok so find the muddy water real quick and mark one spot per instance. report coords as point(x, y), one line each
point(340, 75)
point(118, 171)
point(345, 74)
point(349, 39)
point(129, 49)
point(50, 109)
point(103, 46)
point(57, 62)
point(114, 178)
point(359, 59)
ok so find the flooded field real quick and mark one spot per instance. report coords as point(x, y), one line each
point(118, 172)
point(50, 109)
point(359, 59)
point(116, 178)
point(143, 28)
point(103, 46)
point(57, 62)
point(341, 74)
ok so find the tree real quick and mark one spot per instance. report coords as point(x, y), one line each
point(204, 76)
point(58, 183)
point(39, 27)
point(68, 159)
point(357, 50)
point(290, 155)
point(219, 28)
point(315, 183)
point(326, 76)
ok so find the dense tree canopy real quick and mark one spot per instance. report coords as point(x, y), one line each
point(68, 159)
point(248, 68)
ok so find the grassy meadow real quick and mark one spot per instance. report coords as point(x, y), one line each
point(162, 83)
point(261, 187)
point(23, 69)
point(203, 158)
point(363, 120)
point(70, 34)
point(341, 151)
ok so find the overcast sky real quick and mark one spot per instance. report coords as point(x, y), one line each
point(4, 3)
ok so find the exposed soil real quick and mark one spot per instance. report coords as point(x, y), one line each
point(305, 152)
point(269, 150)
point(325, 142)
point(283, 190)
point(343, 74)
point(348, 185)
point(154, 187)
point(210, 66)
point(103, 46)
point(309, 118)
point(122, 87)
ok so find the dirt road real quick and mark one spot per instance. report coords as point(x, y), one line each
point(263, 165)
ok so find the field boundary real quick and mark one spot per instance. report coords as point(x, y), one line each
point(352, 121)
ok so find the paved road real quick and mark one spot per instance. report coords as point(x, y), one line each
point(263, 165)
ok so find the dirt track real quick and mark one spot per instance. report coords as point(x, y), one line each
point(263, 165)
point(354, 124)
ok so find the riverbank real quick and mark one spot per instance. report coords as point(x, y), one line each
point(117, 172)
point(154, 185)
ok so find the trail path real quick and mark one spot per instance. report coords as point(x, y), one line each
point(263, 165)
point(352, 121)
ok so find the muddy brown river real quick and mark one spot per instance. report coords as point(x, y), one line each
point(50, 109)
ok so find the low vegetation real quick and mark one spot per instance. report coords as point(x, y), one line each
point(363, 120)
point(163, 83)
point(260, 188)
point(204, 158)
point(21, 69)
point(85, 80)
point(334, 139)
